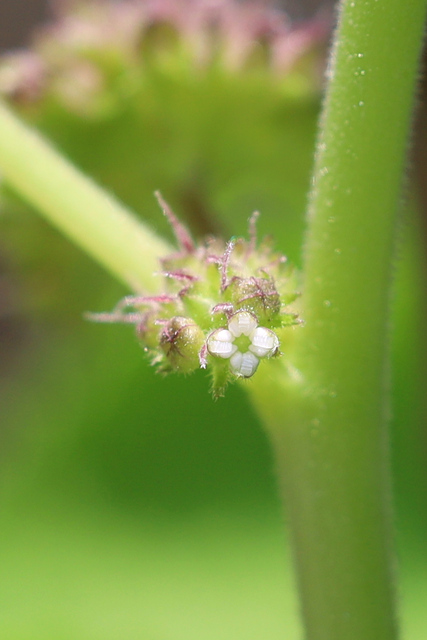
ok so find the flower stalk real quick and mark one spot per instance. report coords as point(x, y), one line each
point(329, 428)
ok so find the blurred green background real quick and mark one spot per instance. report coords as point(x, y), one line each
point(132, 505)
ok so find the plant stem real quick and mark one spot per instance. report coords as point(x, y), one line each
point(95, 220)
point(328, 422)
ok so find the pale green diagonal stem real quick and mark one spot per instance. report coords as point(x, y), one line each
point(92, 218)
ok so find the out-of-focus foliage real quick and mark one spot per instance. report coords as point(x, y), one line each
point(133, 505)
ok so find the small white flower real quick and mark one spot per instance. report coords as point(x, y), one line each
point(244, 359)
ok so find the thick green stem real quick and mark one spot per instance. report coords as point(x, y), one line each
point(92, 218)
point(328, 417)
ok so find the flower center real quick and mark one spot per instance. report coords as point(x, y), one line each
point(242, 343)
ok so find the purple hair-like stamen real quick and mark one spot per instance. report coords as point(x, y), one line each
point(119, 313)
point(185, 241)
point(224, 264)
point(202, 356)
point(179, 275)
point(223, 307)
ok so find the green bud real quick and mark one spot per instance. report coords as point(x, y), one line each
point(181, 341)
point(257, 295)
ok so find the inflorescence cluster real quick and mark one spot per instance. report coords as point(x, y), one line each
point(223, 306)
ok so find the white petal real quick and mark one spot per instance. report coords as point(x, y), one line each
point(220, 343)
point(223, 334)
point(264, 342)
point(244, 364)
point(261, 352)
point(242, 323)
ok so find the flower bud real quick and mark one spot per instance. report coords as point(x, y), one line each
point(181, 341)
point(257, 295)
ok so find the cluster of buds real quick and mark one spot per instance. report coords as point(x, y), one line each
point(224, 306)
